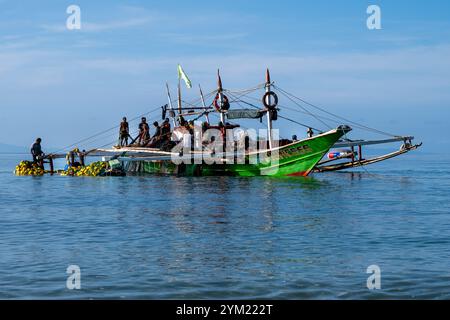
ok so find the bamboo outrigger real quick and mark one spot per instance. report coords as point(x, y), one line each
point(357, 159)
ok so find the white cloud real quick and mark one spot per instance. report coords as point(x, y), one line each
point(191, 39)
point(410, 75)
point(114, 25)
point(102, 26)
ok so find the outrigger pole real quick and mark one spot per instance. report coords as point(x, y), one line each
point(172, 115)
point(269, 114)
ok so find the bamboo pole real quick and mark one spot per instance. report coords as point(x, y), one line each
point(72, 158)
point(179, 95)
point(203, 103)
point(52, 167)
point(170, 104)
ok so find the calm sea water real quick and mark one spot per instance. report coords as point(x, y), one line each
point(228, 238)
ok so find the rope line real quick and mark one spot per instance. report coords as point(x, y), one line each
point(361, 126)
point(237, 97)
point(104, 131)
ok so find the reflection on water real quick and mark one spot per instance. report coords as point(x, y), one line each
point(222, 237)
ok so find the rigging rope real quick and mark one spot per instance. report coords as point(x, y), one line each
point(194, 103)
point(307, 111)
point(237, 96)
point(291, 120)
point(259, 86)
point(103, 132)
point(134, 134)
point(361, 126)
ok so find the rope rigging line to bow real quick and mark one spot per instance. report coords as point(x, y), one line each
point(306, 110)
point(294, 110)
point(285, 118)
point(303, 112)
point(361, 126)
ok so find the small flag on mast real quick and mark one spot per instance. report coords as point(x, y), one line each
point(182, 75)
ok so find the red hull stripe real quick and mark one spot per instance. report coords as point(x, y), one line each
point(298, 174)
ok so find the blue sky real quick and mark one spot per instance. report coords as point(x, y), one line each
point(66, 85)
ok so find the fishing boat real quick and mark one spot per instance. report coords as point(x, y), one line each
point(235, 150)
point(270, 156)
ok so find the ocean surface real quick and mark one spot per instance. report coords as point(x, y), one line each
point(148, 237)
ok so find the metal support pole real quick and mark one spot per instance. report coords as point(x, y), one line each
point(269, 115)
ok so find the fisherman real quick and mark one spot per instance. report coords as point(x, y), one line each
point(294, 138)
point(144, 131)
point(157, 130)
point(156, 139)
point(165, 132)
point(310, 133)
point(36, 152)
point(124, 132)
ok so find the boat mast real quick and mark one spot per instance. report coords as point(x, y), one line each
point(172, 113)
point(179, 96)
point(219, 92)
point(203, 103)
point(269, 114)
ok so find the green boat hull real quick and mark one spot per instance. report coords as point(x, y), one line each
point(296, 159)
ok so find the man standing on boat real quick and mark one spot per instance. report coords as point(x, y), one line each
point(36, 152)
point(144, 132)
point(124, 132)
point(310, 133)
